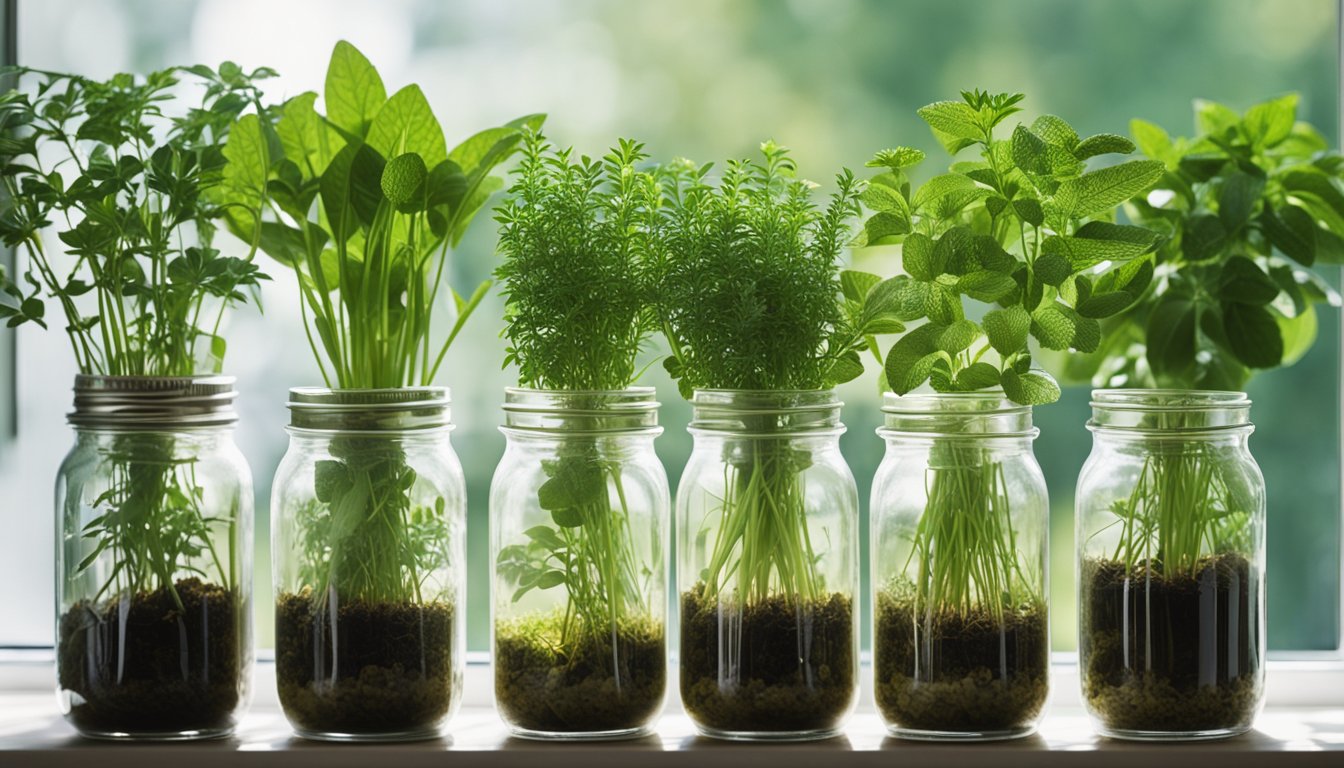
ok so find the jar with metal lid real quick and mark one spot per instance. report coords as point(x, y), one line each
point(579, 510)
point(368, 550)
point(959, 543)
point(768, 567)
point(1171, 562)
point(154, 560)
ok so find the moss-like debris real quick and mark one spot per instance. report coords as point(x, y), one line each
point(606, 681)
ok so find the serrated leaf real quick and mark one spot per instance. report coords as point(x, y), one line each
point(880, 197)
point(1055, 130)
point(1060, 327)
point(1253, 335)
point(1152, 140)
point(846, 367)
point(1101, 305)
point(1007, 329)
point(1103, 144)
point(955, 123)
point(1029, 151)
point(942, 305)
point(986, 286)
point(911, 359)
point(896, 158)
point(977, 376)
point(1029, 210)
point(1031, 388)
point(917, 257)
point(1212, 117)
point(855, 285)
point(1051, 268)
point(957, 337)
point(1099, 241)
point(939, 187)
point(1105, 188)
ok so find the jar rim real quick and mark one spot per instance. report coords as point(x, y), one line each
point(1170, 411)
point(384, 410)
point(153, 402)
point(989, 415)
point(766, 412)
point(577, 413)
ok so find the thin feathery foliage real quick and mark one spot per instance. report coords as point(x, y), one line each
point(749, 284)
point(576, 234)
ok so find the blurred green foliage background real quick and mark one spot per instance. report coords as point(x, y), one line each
point(709, 79)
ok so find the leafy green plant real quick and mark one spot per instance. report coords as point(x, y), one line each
point(575, 234)
point(1246, 208)
point(135, 187)
point(1026, 229)
point(751, 297)
point(364, 203)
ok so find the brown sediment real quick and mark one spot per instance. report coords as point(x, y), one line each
point(1171, 653)
point(959, 671)
point(142, 665)
point(790, 666)
point(385, 668)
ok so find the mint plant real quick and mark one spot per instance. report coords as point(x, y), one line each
point(1026, 229)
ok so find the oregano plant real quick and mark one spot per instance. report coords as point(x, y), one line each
point(1025, 228)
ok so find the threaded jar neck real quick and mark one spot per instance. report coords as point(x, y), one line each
point(773, 413)
point(581, 412)
point(401, 409)
point(1169, 411)
point(153, 402)
point(955, 414)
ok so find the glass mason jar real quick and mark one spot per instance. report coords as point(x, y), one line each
point(1171, 563)
point(579, 507)
point(767, 514)
point(368, 545)
point(154, 560)
point(960, 527)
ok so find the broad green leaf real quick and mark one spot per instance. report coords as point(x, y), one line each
point(911, 358)
point(1292, 231)
point(955, 124)
point(405, 125)
point(486, 149)
point(1269, 123)
point(1051, 268)
point(942, 305)
point(351, 189)
point(1058, 326)
point(1007, 329)
point(1204, 238)
point(1100, 305)
point(977, 376)
point(847, 367)
point(1029, 151)
point(1103, 144)
point(897, 158)
point(354, 92)
point(1099, 241)
point(917, 258)
point(1055, 131)
point(1237, 198)
point(1105, 188)
point(881, 226)
point(1253, 335)
point(306, 140)
point(957, 337)
point(1212, 117)
point(248, 163)
point(939, 187)
point(1241, 281)
point(1171, 335)
point(880, 197)
point(1153, 141)
point(1032, 388)
point(855, 285)
point(1317, 192)
point(1298, 334)
point(1029, 210)
point(986, 286)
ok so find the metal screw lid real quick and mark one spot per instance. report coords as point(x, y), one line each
point(369, 410)
point(153, 402)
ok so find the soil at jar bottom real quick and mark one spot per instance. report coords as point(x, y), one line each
point(968, 672)
point(386, 669)
point(139, 664)
point(775, 665)
point(1179, 653)
point(585, 687)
